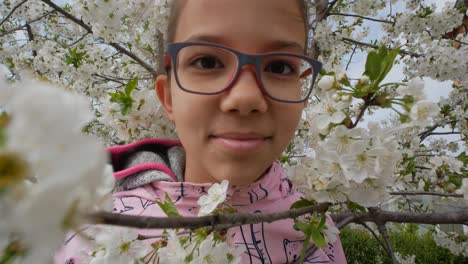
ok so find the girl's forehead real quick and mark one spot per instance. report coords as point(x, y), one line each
point(259, 24)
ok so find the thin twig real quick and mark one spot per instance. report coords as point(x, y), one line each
point(31, 38)
point(388, 245)
point(422, 167)
point(348, 40)
point(428, 193)
point(444, 133)
point(428, 132)
point(25, 24)
point(360, 115)
point(363, 17)
point(78, 40)
point(373, 234)
point(12, 11)
point(351, 57)
point(382, 216)
point(116, 46)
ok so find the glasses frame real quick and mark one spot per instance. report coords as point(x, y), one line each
point(172, 51)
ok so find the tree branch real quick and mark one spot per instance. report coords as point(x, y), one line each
point(215, 221)
point(351, 57)
point(360, 115)
point(78, 40)
point(116, 46)
point(428, 193)
point(31, 38)
point(352, 41)
point(388, 245)
point(375, 215)
point(444, 133)
point(378, 215)
point(363, 17)
point(428, 132)
point(373, 234)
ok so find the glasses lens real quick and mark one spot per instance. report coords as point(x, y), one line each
point(287, 77)
point(205, 69)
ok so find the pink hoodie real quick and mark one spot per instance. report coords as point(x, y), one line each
point(148, 169)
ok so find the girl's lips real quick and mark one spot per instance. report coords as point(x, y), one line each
point(240, 145)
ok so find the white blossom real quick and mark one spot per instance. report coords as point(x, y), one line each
point(216, 195)
point(423, 111)
point(326, 82)
point(117, 245)
point(211, 251)
point(64, 162)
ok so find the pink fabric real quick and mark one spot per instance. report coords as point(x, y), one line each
point(275, 242)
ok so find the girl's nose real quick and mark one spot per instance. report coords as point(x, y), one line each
point(245, 95)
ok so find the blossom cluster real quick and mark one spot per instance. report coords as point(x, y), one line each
point(52, 169)
point(355, 164)
point(347, 157)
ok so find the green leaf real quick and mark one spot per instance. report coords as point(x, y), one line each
point(355, 207)
point(302, 203)
point(323, 220)
point(131, 85)
point(387, 65)
point(318, 238)
point(405, 119)
point(125, 101)
point(4, 119)
point(373, 66)
point(378, 64)
point(168, 207)
point(74, 57)
point(463, 158)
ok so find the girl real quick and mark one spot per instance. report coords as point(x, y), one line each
point(236, 84)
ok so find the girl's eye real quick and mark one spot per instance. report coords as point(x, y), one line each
point(207, 62)
point(280, 67)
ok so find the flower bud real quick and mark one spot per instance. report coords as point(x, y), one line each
point(346, 98)
point(326, 82)
point(364, 79)
point(336, 97)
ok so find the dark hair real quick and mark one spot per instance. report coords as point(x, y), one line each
point(176, 7)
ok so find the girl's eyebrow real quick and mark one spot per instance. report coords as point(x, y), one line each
point(271, 46)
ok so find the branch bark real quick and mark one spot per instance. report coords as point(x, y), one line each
point(382, 216)
point(388, 245)
point(428, 193)
point(215, 221)
point(375, 215)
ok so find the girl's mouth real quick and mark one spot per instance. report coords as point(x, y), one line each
point(239, 142)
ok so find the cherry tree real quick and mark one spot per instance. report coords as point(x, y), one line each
point(78, 75)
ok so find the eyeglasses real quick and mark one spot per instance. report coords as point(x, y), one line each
point(206, 68)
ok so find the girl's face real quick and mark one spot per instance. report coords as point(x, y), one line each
point(235, 135)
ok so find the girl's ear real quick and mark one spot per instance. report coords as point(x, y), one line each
point(163, 91)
